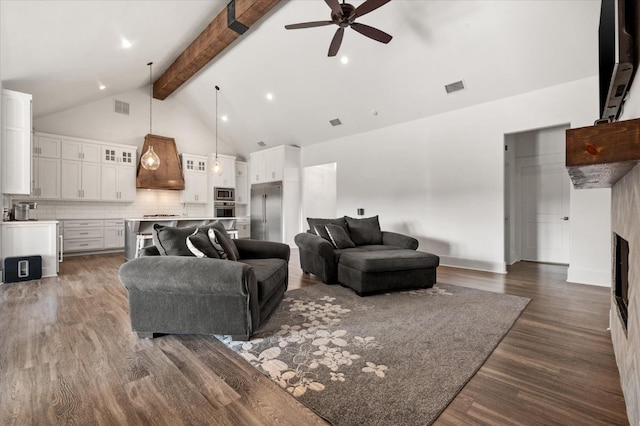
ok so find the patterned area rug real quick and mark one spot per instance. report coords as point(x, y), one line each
point(389, 359)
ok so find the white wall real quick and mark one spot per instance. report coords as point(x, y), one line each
point(440, 179)
point(97, 120)
point(319, 192)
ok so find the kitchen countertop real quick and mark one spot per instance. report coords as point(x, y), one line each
point(28, 222)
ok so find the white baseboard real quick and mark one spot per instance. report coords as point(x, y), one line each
point(590, 277)
point(480, 265)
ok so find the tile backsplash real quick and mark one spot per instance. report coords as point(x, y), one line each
point(147, 202)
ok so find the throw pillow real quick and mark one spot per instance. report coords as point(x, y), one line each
point(222, 254)
point(339, 237)
point(200, 245)
point(172, 241)
point(317, 226)
point(228, 241)
point(364, 231)
point(222, 243)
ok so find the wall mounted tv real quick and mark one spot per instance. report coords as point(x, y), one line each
point(617, 54)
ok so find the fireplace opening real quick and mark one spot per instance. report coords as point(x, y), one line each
point(621, 290)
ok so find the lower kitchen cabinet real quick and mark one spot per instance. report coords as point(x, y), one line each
point(92, 235)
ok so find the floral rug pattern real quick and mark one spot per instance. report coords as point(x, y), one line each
point(298, 356)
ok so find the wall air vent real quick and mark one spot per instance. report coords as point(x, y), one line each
point(122, 107)
point(262, 144)
point(454, 87)
point(335, 122)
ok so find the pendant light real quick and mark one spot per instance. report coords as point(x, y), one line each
point(150, 159)
point(216, 167)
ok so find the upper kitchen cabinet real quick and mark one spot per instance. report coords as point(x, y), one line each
point(275, 164)
point(45, 180)
point(242, 182)
point(228, 177)
point(195, 179)
point(80, 151)
point(16, 142)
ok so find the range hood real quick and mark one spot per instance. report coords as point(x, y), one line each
point(169, 175)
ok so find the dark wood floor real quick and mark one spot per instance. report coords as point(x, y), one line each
point(67, 356)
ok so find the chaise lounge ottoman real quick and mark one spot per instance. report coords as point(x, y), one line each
point(385, 270)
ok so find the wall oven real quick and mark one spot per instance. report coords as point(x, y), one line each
point(224, 209)
point(224, 194)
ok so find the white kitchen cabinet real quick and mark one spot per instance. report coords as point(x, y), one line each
point(80, 180)
point(45, 179)
point(16, 142)
point(44, 146)
point(228, 177)
point(119, 155)
point(243, 225)
point(80, 151)
point(118, 183)
point(33, 239)
point(242, 182)
point(113, 233)
point(195, 179)
point(83, 235)
point(275, 164)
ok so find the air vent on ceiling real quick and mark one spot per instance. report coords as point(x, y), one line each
point(335, 122)
point(261, 144)
point(454, 87)
point(122, 107)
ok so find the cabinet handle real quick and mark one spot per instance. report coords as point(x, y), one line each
point(84, 245)
point(84, 233)
point(60, 248)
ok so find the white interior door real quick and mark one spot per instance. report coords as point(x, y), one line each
point(545, 212)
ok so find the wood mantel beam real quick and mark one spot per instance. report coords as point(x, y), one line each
point(219, 34)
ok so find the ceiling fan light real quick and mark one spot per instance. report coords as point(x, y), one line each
point(216, 168)
point(150, 159)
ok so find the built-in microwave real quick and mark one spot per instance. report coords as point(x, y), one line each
point(224, 209)
point(224, 194)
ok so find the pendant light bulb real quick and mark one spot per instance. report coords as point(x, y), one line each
point(150, 159)
point(216, 168)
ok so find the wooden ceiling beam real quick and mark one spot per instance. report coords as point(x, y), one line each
point(217, 36)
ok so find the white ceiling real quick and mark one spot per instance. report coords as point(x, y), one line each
point(61, 50)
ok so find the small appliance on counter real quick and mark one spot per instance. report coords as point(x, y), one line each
point(21, 210)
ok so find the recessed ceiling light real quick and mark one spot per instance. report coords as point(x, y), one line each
point(102, 86)
point(270, 96)
point(224, 118)
point(125, 43)
point(344, 60)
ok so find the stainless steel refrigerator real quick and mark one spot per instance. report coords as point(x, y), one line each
point(266, 211)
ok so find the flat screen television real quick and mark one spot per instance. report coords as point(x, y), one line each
point(617, 54)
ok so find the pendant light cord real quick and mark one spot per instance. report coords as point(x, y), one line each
point(150, 96)
point(217, 89)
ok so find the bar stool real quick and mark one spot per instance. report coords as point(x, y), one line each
point(141, 242)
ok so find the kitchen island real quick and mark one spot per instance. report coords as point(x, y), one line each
point(141, 229)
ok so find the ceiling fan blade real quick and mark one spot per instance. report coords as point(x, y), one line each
point(308, 25)
point(335, 7)
point(372, 33)
point(367, 6)
point(336, 42)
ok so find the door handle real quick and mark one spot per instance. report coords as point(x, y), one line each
point(565, 218)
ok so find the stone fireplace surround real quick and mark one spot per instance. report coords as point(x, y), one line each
point(625, 221)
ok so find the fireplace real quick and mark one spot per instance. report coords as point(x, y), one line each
point(621, 277)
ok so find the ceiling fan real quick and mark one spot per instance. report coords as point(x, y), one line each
point(344, 15)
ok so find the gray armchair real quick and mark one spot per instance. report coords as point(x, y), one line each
point(190, 295)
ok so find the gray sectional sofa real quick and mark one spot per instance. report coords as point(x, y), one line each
point(356, 253)
point(171, 291)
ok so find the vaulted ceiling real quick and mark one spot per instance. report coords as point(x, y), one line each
point(61, 51)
